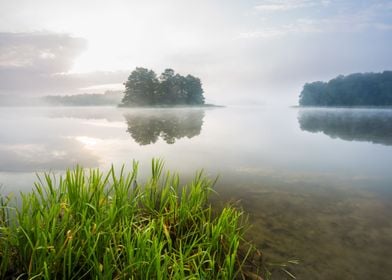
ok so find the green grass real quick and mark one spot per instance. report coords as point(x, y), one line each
point(94, 225)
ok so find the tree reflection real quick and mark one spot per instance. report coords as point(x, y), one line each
point(146, 127)
point(371, 125)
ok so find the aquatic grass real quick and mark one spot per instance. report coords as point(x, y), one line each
point(89, 224)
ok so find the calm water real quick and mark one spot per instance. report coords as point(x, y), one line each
point(317, 183)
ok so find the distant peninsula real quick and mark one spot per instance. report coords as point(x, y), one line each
point(144, 89)
point(360, 89)
point(109, 98)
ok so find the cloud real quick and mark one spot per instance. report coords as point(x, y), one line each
point(39, 63)
point(285, 5)
point(383, 26)
point(299, 26)
point(346, 18)
point(233, 46)
point(42, 52)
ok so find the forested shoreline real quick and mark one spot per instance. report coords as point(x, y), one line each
point(95, 99)
point(360, 89)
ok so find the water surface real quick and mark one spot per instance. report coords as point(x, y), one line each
point(315, 182)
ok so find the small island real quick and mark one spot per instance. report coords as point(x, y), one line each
point(360, 89)
point(144, 88)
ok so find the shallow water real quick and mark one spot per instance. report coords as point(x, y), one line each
point(315, 182)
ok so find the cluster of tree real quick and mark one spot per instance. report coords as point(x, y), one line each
point(144, 88)
point(148, 127)
point(359, 125)
point(108, 98)
point(369, 89)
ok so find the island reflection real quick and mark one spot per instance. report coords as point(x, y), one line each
point(370, 125)
point(147, 126)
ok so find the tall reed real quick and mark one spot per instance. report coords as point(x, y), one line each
point(94, 225)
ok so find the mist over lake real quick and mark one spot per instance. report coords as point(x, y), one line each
point(315, 182)
point(196, 139)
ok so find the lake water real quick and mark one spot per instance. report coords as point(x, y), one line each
point(316, 183)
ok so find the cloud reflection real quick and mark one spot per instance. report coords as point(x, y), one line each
point(60, 154)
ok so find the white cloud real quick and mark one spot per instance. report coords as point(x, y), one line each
point(45, 52)
point(266, 33)
point(299, 26)
point(347, 18)
point(383, 26)
point(285, 5)
point(40, 63)
point(194, 37)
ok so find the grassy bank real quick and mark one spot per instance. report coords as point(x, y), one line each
point(91, 225)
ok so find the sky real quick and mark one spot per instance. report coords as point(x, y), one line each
point(244, 51)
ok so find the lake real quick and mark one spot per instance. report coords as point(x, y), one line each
point(316, 183)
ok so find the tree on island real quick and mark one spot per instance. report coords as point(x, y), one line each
point(143, 88)
point(368, 89)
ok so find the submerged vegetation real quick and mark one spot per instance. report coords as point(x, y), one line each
point(91, 225)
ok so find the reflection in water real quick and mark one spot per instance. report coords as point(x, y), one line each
point(304, 199)
point(54, 154)
point(147, 127)
point(371, 125)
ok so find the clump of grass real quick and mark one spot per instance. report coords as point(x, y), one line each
point(94, 225)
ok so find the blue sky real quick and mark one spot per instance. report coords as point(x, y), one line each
point(244, 51)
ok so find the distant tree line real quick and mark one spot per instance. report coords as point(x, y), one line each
point(368, 89)
point(144, 88)
point(85, 99)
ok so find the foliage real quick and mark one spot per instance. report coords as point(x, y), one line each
point(91, 225)
point(369, 89)
point(95, 99)
point(143, 88)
